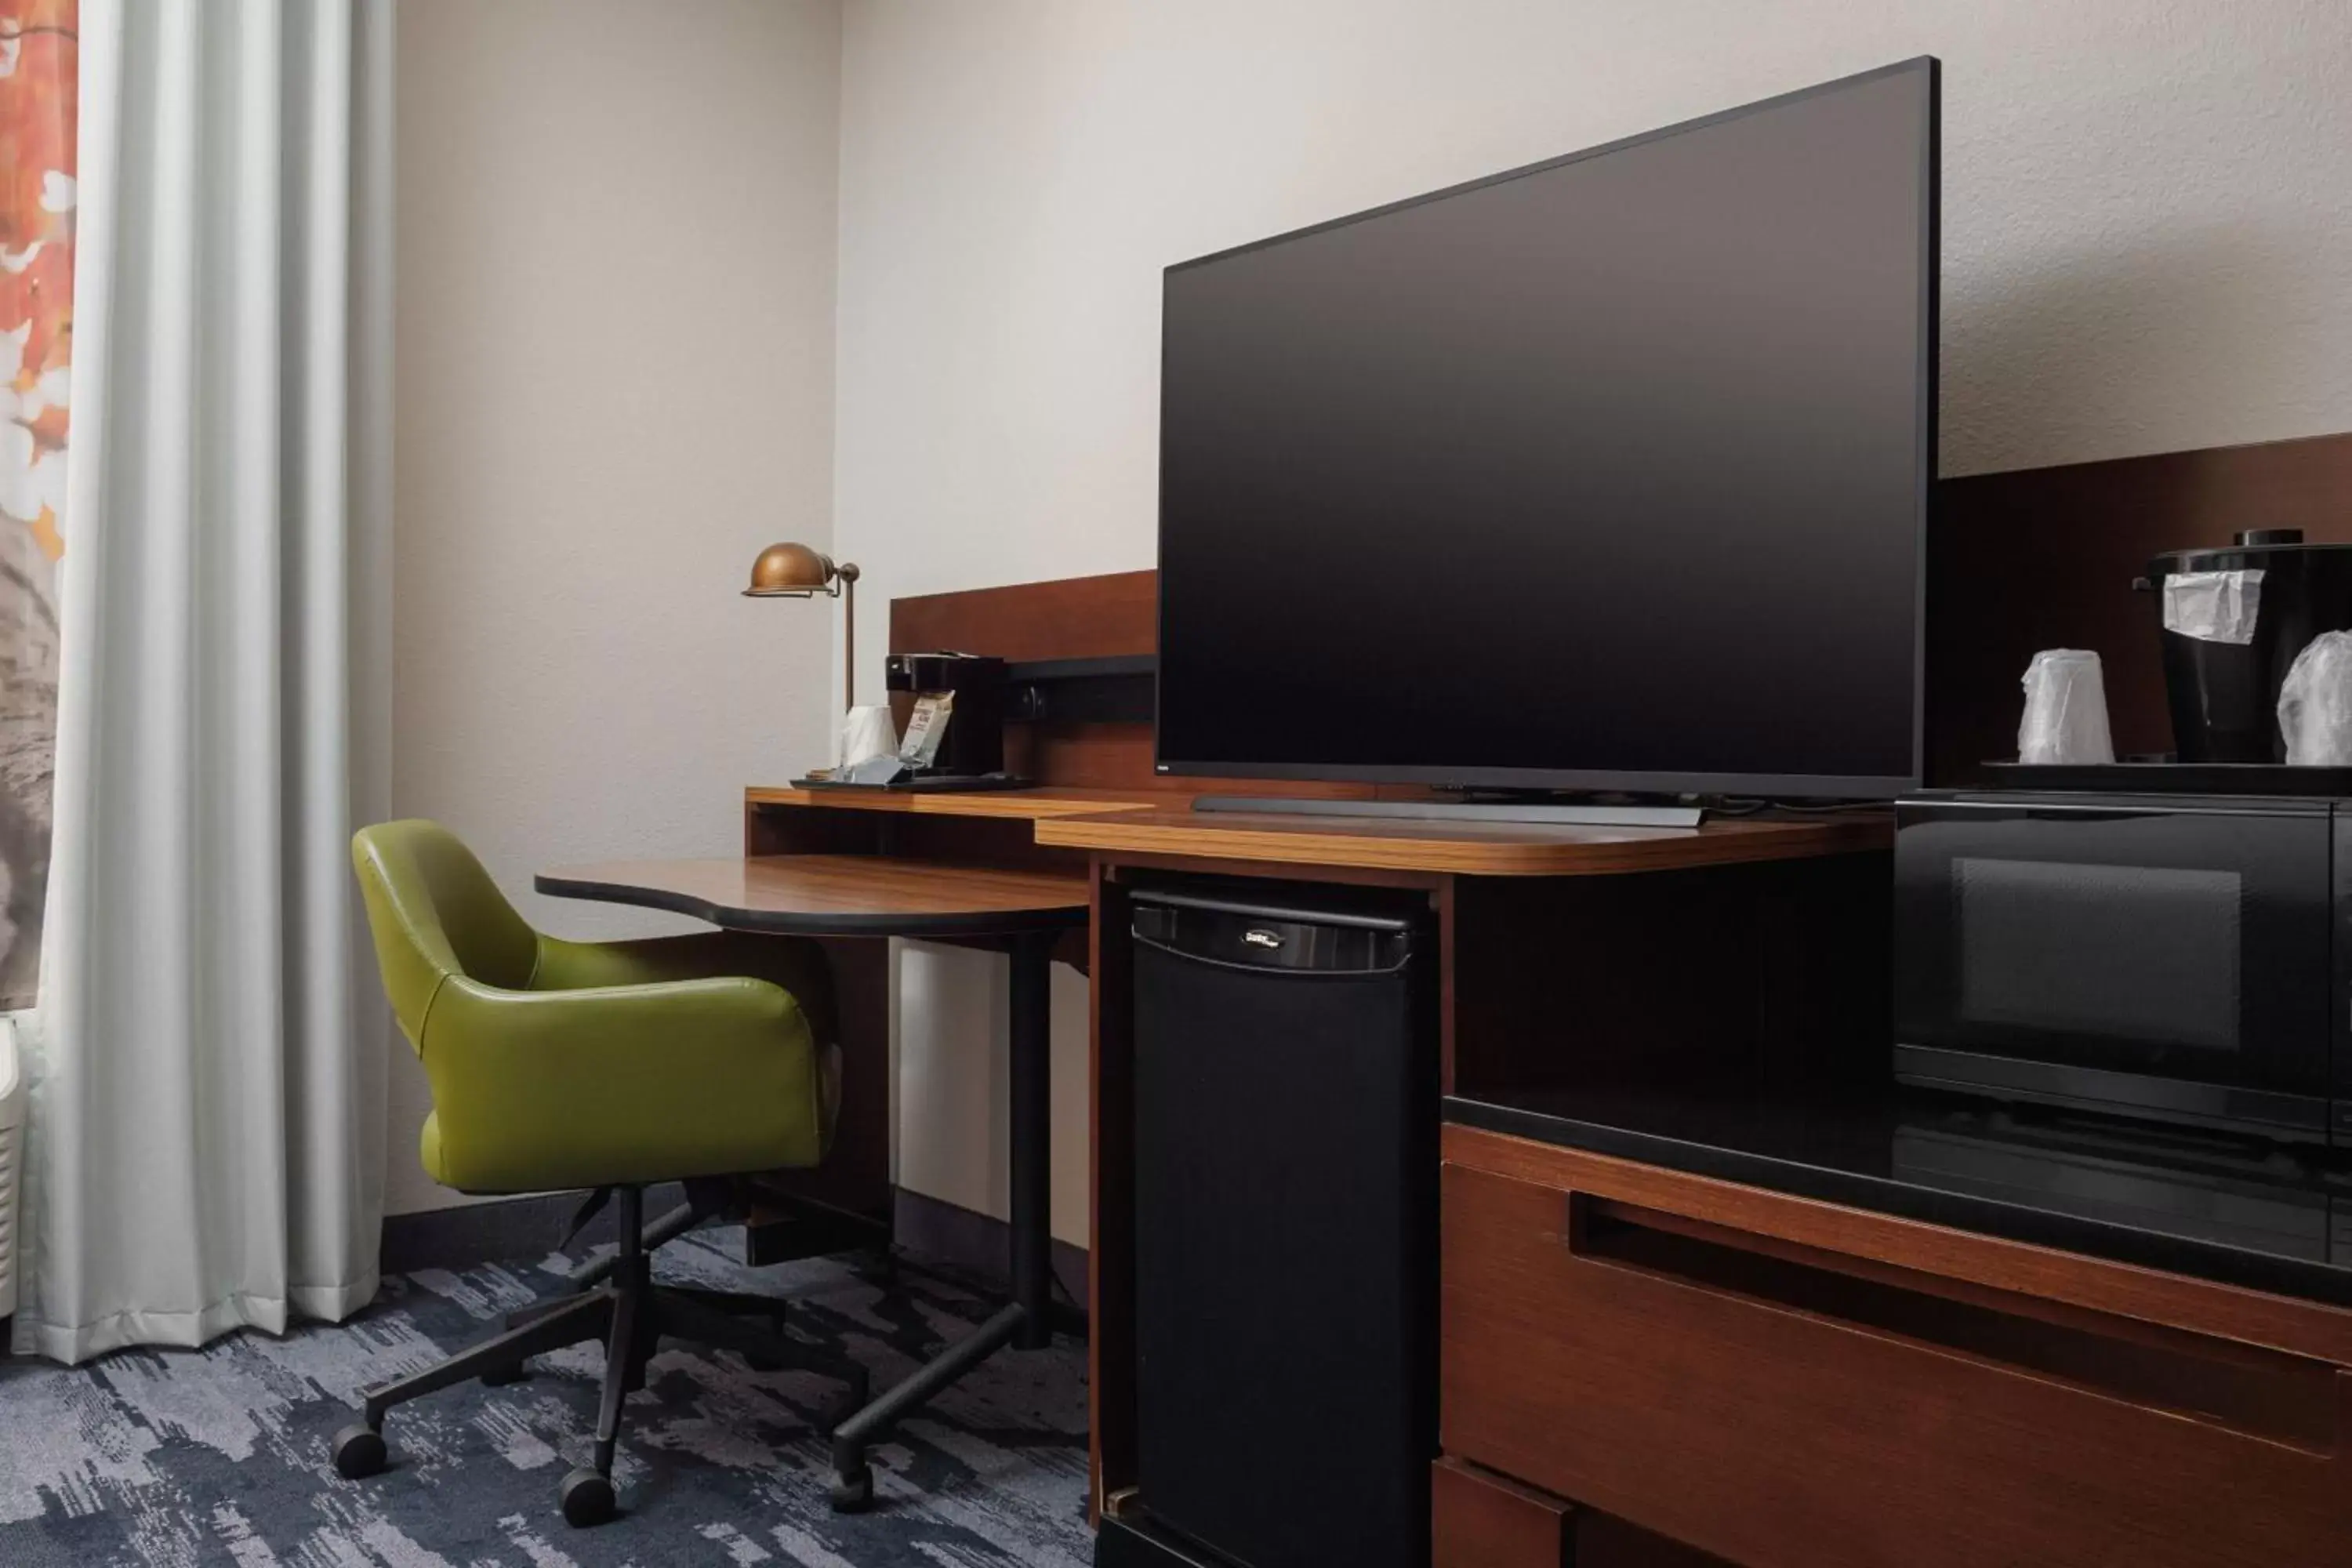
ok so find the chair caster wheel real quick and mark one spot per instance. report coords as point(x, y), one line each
point(853, 1490)
point(587, 1500)
point(499, 1378)
point(360, 1453)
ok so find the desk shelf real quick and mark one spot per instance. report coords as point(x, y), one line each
point(1017, 805)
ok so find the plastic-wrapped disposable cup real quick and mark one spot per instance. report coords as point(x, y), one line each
point(2065, 709)
point(2314, 706)
point(867, 732)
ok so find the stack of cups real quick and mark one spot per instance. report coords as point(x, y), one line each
point(867, 732)
point(2065, 710)
point(2315, 708)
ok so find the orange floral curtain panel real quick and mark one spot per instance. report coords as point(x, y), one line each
point(37, 81)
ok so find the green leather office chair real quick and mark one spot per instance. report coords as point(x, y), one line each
point(606, 1065)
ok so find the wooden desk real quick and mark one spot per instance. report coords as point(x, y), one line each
point(1743, 944)
point(1506, 902)
point(1585, 1383)
point(868, 897)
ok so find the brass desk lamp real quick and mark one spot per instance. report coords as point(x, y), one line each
point(796, 571)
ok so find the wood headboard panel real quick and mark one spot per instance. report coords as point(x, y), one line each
point(2016, 562)
point(1070, 618)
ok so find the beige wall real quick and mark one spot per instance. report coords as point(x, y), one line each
point(2147, 247)
point(615, 321)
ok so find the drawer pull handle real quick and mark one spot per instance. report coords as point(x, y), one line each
point(2262, 1393)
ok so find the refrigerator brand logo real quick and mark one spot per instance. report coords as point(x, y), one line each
point(1262, 939)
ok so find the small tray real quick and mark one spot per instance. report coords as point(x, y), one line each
point(2173, 778)
point(924, 783)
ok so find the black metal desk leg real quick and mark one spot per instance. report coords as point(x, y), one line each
point(1033, 1139)
point(1027, 1323)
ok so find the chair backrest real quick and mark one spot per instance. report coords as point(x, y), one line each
point(436, 913)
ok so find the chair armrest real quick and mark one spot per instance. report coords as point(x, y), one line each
point(796, 963)
point(541, 1090)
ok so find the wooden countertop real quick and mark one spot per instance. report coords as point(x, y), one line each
point(1035, 804)
point(1147, 822)
point(1500, 849)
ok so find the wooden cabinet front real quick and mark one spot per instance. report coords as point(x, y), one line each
point(1478, 1520)
point(1610, 1338)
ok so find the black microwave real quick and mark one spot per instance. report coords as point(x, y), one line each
point(2181, 959)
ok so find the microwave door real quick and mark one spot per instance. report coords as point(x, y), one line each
point(2167, 962)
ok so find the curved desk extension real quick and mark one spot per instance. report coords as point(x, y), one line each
point(835, 895)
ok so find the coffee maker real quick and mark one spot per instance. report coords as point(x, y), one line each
point(969, 753)
point(2233, 619)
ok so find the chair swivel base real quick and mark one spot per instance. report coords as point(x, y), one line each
point(631, 1315)
point(853, 1484)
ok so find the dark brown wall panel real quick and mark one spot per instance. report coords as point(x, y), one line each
point(1069, 617)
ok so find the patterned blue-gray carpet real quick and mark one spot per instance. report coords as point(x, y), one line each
point(185, 1459)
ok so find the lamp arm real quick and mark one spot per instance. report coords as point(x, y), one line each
point(846, 572)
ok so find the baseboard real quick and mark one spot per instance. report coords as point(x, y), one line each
point(501, 1231)
point(974, 1243)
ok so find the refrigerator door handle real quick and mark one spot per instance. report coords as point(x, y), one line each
point(1188, 956)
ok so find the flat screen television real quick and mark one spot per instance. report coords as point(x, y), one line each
point(1609, 473)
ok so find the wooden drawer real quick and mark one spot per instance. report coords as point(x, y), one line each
point(1786, 1403)
point(1479, 1519)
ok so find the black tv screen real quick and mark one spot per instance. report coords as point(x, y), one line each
point(1607, 473)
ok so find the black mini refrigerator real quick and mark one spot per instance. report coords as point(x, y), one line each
point(1286, 1202)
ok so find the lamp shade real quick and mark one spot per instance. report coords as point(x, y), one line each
point(789, 572)
point(796, 572)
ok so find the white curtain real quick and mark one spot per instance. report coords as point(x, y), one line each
point(206, 1147)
